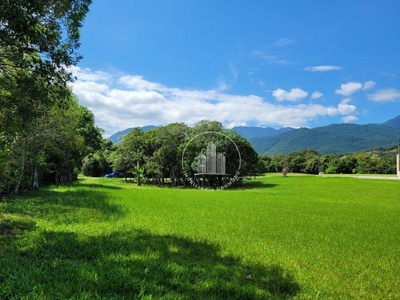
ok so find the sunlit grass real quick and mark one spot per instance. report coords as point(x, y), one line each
point(276, 237)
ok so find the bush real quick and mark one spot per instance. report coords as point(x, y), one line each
point(330, 170)
point(95, 165)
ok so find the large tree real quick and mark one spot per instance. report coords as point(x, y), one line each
point(41, 35)
point(38, 42)
point(26, 99)
point(130, 151)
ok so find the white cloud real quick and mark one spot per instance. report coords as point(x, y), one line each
point(347, 89)
point(388, 74)
point(222, 85)
point(282, 42)
point(386, 95)
point(88, 74)
point(283, 62)
point(322, 68)
point(349, 119)
point(138, 83)
point(235, 72)
point(91, 86)
point(345, 108)
point(272, 59)
point(316, 95)
point(295, 94)
point(233, 124)
point(368, 85)
point(129, 101)
point(345, 101)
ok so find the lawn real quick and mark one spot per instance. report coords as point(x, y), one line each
point(294, 237)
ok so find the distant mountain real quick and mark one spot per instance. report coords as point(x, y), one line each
point(253, 132)
point(118, 136)
point(395, 122)
point(246, 132)
point(332, 139)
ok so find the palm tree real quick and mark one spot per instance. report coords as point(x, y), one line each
point(138, 172)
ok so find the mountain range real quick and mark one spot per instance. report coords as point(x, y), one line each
point(246, 132)
point(331, 139)
point(119, 135)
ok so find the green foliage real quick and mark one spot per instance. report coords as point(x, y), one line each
point(161, 151)
point(42, 35)
point(331, 170)
point(311, 162)
point(42, 141)
point(87, 128)
point(96, 165)
point(62, 146)
point(297, 164)
point(139, 174)
point(39, 139)
point(129, 152)
point(294, 237)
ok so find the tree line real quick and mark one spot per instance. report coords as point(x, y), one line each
point(381, 161)
point(167, 154)
point(44, 132)
point(171, 153)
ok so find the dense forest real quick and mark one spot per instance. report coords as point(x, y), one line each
point(170, 152)
point(44, 132)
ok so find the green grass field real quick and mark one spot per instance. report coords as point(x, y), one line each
point(294, 237)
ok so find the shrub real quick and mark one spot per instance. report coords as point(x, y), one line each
point(95, 165)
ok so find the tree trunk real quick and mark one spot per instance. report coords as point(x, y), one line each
point(21, 169)
point(35, 183)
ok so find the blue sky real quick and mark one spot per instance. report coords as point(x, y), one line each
point(255, 62)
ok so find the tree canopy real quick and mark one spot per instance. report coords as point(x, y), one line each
point(41, 35)
point(171, 151)
point(44, 132)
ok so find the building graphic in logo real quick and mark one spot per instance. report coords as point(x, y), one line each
point(209, 168)
point(212, 162)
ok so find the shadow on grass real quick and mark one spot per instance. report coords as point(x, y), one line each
point(11, 228)
point(254, 184)
point(246, 185)
point(137, 265)
point(71, 206)
point(97, 186)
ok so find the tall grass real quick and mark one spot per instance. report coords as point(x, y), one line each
point(300, 237)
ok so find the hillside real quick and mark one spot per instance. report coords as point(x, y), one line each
point(395, 122)
point(246, 132)
point(253, 132)
point(118, 136)
point(332, 139)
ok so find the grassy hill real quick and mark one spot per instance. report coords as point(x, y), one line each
point(332, 139)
